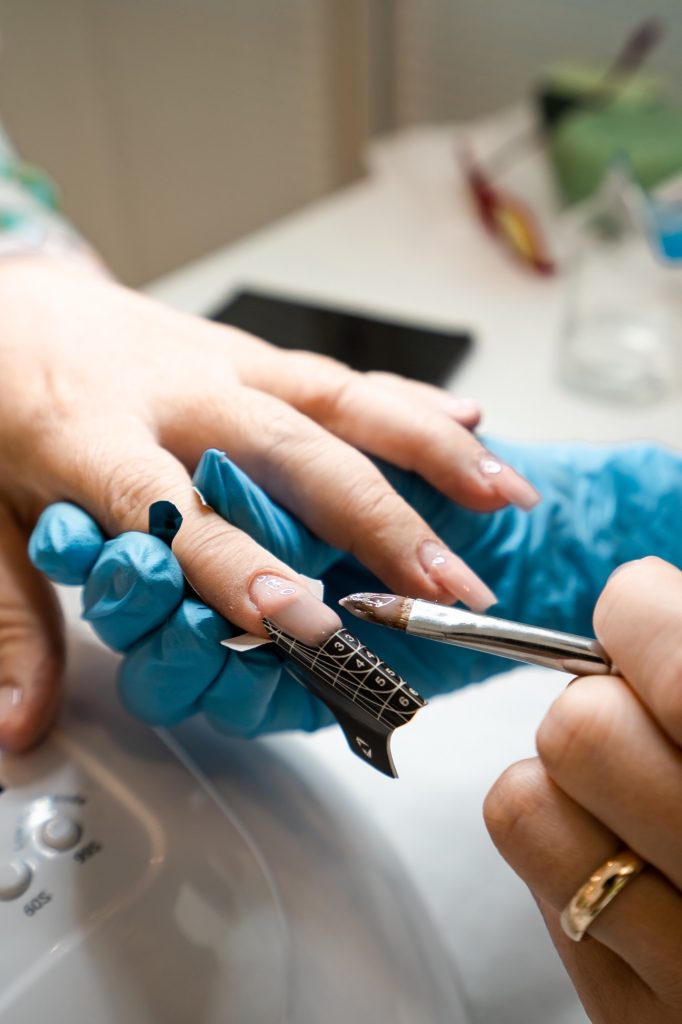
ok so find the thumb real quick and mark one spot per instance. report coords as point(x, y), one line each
point(31, 643)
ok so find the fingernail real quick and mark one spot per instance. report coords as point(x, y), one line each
point(450, 572)
point(10, 697)
point(294, 609)
point(466, 408)
point(507, 483)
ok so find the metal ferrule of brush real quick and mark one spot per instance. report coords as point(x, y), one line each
point(548, 647)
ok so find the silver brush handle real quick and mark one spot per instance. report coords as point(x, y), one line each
point(577, 655)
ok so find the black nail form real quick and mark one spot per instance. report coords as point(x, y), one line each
point(368, 699)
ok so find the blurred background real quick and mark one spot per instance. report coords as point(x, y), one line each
point(174, 126)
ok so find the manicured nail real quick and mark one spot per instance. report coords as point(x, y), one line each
point(451, 573)
point(464, 408)
point(10, 697)
point(294, 609)
point(507, 482)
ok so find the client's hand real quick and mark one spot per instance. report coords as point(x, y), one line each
point(609, 777)
point(602, 506)
point(108, 400)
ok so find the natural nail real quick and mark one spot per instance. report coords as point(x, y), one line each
point(10, 697)
point(451, 573)
point(507, 483)
point(294, 609)
point(466, 408)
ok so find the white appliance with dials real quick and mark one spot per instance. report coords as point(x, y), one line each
point(184, 878)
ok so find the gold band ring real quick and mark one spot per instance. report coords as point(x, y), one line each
point(601, 887)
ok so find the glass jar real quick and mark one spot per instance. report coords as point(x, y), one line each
point(622, 331)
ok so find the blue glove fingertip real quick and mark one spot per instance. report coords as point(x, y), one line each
point(65, 543)
point(134, 586)
point(238, 700)
point(163, 676)
point(240, 501)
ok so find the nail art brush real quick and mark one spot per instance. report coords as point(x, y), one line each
point(515, 640)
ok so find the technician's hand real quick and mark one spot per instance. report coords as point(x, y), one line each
point(608, 778)
point(108, 400)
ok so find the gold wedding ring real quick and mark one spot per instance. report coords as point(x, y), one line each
point(601, 887)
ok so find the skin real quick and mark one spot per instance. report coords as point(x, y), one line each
point(609, 774)
point(108, 401)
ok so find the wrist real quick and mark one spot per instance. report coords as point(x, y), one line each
point(32, 224)
point(74, 255)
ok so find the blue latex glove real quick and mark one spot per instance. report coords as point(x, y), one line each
point(602, 506)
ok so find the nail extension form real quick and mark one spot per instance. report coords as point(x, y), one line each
point(368, 699)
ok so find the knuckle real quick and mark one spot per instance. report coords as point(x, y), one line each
point(288, 443)
point(128, 485)
point(326, 386)
point(514, 803)
point(126, 493)
point(334, 401)
point(381, 507)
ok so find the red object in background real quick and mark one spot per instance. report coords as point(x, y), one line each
point(507, 218)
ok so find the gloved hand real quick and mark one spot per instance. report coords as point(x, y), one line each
point(134, 597)
point(602, 506)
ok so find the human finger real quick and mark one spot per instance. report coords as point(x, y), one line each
point(135, 586)
point(136, 582)
point(466, 411)
point(119, 473)
point(601, 746)
point(555, 845)
point(65, 543)
point(608, 987)
point(334, 489)
point(268, 368)
point(412, 434)
point(31, 643)
point(239, 500)
point(638, 618)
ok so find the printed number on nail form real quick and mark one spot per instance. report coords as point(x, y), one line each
point(368, 699)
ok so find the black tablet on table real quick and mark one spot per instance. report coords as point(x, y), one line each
point(363, 342)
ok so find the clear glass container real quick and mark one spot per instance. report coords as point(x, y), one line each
point(622, 332)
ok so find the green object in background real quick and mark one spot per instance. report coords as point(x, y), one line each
point(584, 144)
point(12, 220)
point(563, 87)
point(35, 181)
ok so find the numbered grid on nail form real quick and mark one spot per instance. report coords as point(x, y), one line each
point(354, 672)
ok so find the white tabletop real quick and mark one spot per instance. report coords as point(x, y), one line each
point(403, 242)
